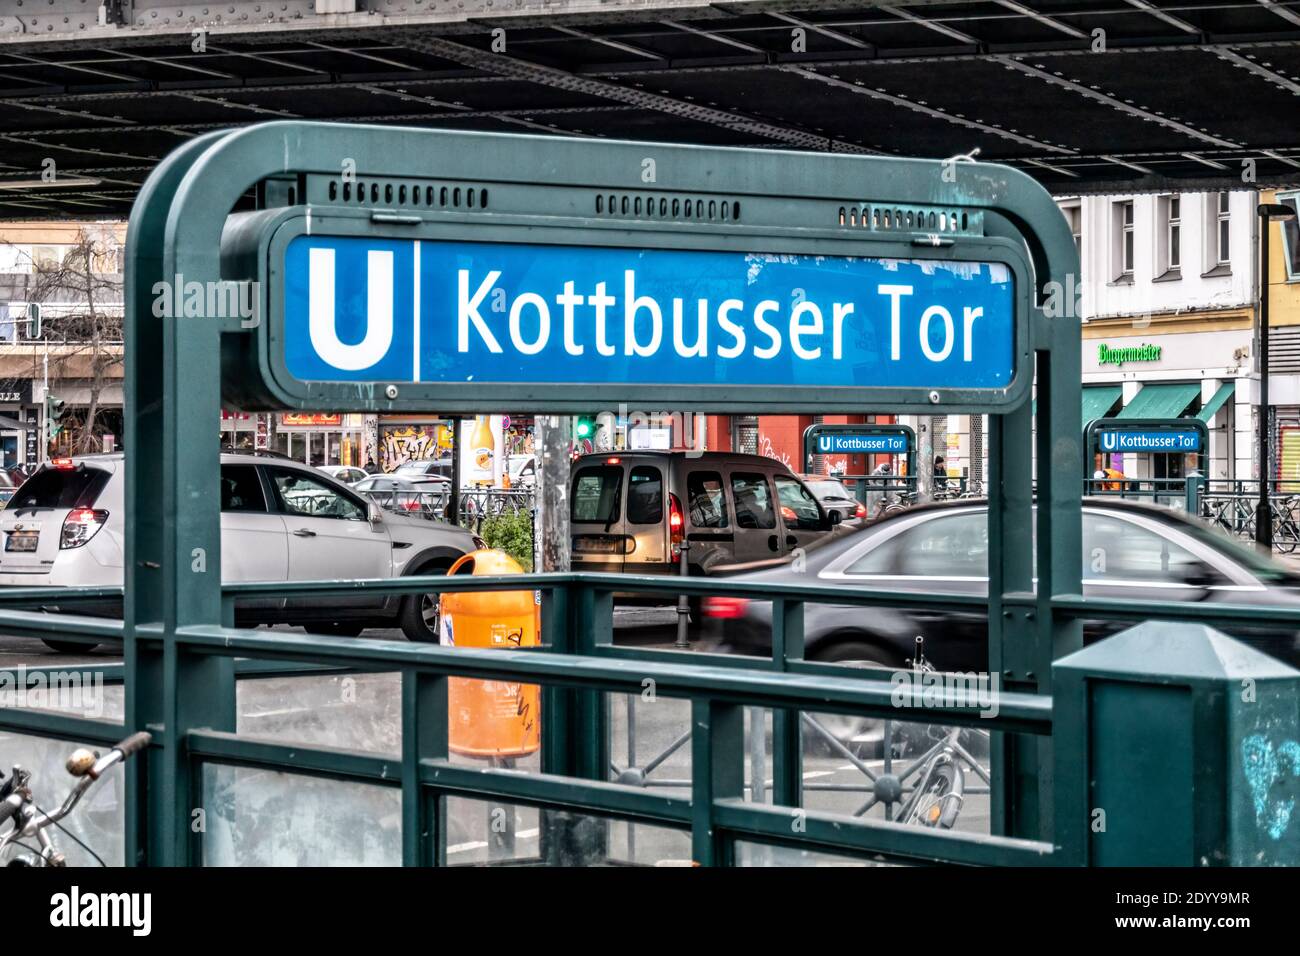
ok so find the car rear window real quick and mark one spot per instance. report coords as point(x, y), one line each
point(645, 495)
point(61, 488)
point(828, 489)
point(241, 490)
point(596, 494)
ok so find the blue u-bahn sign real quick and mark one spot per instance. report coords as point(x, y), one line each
point(1169, 440)
point(1158, 436)
point(468, 315)
point(834, 443)
point(410, 311)
point(860, 439)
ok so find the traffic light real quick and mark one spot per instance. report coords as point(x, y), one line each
point(33, 320)
point(53, 412)
point(585, 427)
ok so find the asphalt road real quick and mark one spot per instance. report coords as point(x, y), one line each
point(261, 817)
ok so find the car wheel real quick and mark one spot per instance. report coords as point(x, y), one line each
point(337, 629)
point(420, 618)
point(862, 736)
point(68, 647)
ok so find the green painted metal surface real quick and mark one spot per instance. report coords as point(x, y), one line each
point(1180, 745)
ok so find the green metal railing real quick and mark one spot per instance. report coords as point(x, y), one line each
point(577, 663)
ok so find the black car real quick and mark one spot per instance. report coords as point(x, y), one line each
point(1130, 551)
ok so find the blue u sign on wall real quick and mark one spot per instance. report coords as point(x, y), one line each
point(391, 310)
point(1149, 441)
point(840, 443)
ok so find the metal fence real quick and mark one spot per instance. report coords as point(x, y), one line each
point(576, 665)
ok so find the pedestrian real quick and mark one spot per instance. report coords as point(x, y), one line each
point(877, 489)
point(940, 474)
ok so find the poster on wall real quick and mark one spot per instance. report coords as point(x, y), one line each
point(482, 450)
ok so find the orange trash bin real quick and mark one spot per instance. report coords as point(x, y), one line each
point(491, 718)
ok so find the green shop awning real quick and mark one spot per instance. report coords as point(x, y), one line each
point(1160, 401)
point(1216, 402)
point(1097, 401)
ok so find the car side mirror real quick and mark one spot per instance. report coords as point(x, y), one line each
point(836, 518)
point(1199, 576)
point(374, 513)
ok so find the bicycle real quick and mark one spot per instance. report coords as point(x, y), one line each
point(27, 819)
point(940, 791)
point(1286, 532)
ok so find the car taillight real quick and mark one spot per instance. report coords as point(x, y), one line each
point(787, 514)
point(725, 608)
point(676, 526)
point(860, 511)
point(80, 526)
point(412, 506)
point(64, 464)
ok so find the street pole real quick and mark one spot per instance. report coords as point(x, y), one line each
point(552, 496)
point(1263, 512)
point(1266, 213)
point(453, 499)
point(925, 463)
point(43, 441)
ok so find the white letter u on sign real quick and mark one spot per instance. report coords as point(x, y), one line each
point(379, 311)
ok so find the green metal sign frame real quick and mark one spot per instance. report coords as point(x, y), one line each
point(178, 664)
point(1098, 425)
point(783, 212)
point(812, 431)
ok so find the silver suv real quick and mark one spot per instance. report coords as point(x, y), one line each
point(280, 521)
point(630, 511)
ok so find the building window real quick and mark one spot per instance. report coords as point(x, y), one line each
point(48, 258)
point(1169, 237)
point(1174, 231)
point(1122, 214)
point(1218, 234)
point(1291, 239)
point(1074, 216)
point(1224, 232)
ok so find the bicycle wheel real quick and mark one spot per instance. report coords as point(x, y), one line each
point(941, 797)
point(1286, 535)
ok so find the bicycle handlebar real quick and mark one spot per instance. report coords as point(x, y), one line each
point(134, 744)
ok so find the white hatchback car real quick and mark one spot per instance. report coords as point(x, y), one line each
point(280, 521)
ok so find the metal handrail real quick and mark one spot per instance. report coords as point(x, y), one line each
point(577, 624)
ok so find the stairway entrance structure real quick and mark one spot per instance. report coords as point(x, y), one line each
point(399, 269)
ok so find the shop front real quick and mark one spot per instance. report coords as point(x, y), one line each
point(319, 438)
point(244, 431)
point(1195, 369)
point(19, 424)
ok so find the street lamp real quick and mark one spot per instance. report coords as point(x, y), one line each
point(1268, 212)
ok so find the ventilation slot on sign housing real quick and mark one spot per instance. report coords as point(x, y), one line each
point(927, 220)
point(388, 193)
point(681, 208)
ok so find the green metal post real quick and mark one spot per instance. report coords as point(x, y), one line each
point(718, 744)
point(787, 738)
point(1211, 723)
point(424, 737)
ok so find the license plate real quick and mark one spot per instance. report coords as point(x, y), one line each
point(591, 544)
point(22, 540)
